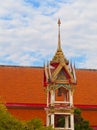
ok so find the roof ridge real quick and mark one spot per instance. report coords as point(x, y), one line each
point(86, 69)
point(21, 66)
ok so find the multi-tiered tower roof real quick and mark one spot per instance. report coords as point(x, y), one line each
point(59, 55)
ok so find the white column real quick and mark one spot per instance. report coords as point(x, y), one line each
point(66, 121)
point(71, 98)
point(52, 120)
point(47, 98)
point(72, 121)
point(52, 97)
point(47, 119)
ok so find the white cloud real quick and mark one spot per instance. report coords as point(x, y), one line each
point(26, 28)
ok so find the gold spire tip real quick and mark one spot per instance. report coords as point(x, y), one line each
point(59, 22)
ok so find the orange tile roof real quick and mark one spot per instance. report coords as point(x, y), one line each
point(22, 85)
point(91, 116)
point(86, 89)
point(25, 85)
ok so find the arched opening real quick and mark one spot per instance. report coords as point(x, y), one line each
point(62, 96)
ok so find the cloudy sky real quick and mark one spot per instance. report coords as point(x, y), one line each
point(28, 31)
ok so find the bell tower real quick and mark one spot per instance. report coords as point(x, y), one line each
point(59, 82)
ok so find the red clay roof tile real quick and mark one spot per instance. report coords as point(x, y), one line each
point(25, 85)
point(22, 85)
point(86, 89)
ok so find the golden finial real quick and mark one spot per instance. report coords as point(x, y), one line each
point(59, 42)
point(59, 22)
point(59, 55)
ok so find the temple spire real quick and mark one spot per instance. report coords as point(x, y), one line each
point(59, 55)
point(59, 41)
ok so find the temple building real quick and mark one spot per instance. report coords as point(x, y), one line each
point(51, 92)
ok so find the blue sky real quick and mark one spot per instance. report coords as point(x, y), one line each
point(28, 31)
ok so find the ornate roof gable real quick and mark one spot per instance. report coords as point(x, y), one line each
point(59, 66)
point(65, 73)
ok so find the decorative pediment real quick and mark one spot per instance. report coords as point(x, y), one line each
point(62, 73)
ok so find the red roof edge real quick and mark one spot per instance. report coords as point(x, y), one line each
point(24, 105)
point(94, 127)
point(86, 106)
point(44, 105)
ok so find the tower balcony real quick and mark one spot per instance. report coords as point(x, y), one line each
point(63, 104)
